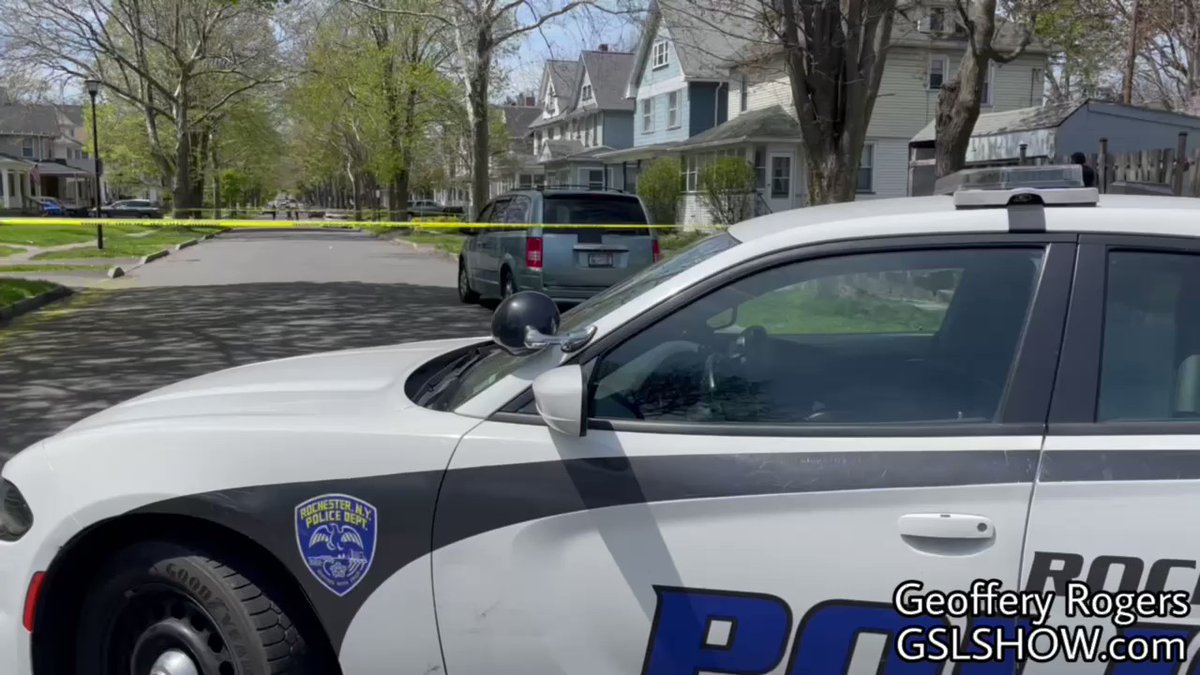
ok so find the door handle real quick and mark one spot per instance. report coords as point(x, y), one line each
point(946, 526)
point(947, 534)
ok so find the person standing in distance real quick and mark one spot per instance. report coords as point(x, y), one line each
point(1089, 174)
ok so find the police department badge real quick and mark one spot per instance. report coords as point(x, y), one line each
point(336, 534)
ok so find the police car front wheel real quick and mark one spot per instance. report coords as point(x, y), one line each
point(160, 608)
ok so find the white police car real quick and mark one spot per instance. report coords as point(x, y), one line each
point(725, 464)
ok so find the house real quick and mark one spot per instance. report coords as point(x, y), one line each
point(1052, 133)
point(927, 45)
point(519, 167)
point(42, 155)
point(585, 114)
point(679, 83)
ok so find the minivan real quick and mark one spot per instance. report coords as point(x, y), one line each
point(576, 242)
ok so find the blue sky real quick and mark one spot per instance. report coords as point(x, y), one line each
point(585, 28)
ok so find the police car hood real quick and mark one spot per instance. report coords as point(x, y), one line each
point(354, 381)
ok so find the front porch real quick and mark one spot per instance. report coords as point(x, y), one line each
point(16, 187)
point(767, 139)
point(73, 187)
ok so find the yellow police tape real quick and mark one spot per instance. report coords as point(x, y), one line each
point(331, 224)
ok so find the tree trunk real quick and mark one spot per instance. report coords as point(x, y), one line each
point(215, 172)
point(480, 129)
point(830, 178)
point(182, 189)
point(957, 111)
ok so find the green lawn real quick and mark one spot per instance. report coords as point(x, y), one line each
point(119, 244)
point(801, 311)
point(9, 250)
point(674, 241)
point(15, 290)
point(450, 242)
point(52, 268)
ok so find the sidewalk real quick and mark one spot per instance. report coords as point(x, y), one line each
point(73, 273)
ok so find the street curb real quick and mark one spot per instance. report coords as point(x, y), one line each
point(154, 256)
point(184, 244)
point(36, 302)
point(116, 271)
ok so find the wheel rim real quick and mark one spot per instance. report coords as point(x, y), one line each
point(174, 662)
point(161, 631)
point(462, 281)
point(508, 286)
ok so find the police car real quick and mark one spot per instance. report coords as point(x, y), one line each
point(725, 464)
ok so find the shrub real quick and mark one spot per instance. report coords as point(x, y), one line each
point(727, 189)
point(659, 185)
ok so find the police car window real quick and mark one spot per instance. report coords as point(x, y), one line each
point(913, 336)
point(1150, 363)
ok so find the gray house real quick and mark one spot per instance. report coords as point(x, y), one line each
point(1052, 133)
point(42, 155)
point(585, 114)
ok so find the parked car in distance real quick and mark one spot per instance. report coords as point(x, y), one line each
point(565, 252)
point(49, 206)
point(425, 207)
point(132, 208)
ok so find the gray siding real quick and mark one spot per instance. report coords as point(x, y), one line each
point(617, 128)
point(1126, 130)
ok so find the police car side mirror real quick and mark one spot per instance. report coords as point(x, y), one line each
point(559, 395)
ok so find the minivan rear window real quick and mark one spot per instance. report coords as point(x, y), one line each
point(593, 209)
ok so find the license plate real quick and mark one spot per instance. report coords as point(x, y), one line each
point(600, 260)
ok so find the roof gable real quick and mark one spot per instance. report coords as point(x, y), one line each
point(702, 34)
point(608, 73)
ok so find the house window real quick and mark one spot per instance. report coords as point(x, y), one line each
point(587, 92)
point(986, 97)
point(595, 179)
point(526, 180)
point(936, 21)
point(937, 71)
point(691, 172)
point(661, 54)
point(593, 131)
point(647, 115)
point(673, 110)
point(27, 149)
point(781, 176)
point(866, 169)
point(745, 95)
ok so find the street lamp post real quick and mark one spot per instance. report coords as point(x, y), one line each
point(93, 88)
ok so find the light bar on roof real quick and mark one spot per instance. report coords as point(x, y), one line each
point(1049, 185)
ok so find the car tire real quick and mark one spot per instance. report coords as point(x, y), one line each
point(158, 602)
point(465, 294)
point(508, 285)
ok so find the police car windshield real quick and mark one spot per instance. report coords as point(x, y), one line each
point(498, 363)
point(597, 306)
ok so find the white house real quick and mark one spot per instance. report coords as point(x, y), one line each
point(926, 49)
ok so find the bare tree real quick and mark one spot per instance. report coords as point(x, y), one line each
point(180, 62)
point(479, 29)
point(988, 40)
point(833, 53)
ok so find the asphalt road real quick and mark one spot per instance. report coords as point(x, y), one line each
point(245, 296)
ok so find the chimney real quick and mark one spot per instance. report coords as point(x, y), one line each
point(603, 48)
point(530, 101)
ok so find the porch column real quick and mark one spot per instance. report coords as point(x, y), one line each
point(4, 188)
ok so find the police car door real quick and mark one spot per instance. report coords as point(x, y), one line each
point(767, 458)
point(1116, 499)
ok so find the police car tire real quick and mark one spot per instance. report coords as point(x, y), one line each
point(257, 632)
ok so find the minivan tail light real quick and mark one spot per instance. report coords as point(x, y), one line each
point(533, 252)
point(657, 251)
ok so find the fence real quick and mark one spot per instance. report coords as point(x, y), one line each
point(1158, 171)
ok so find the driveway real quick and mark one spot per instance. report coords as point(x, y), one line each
point(242, 297)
